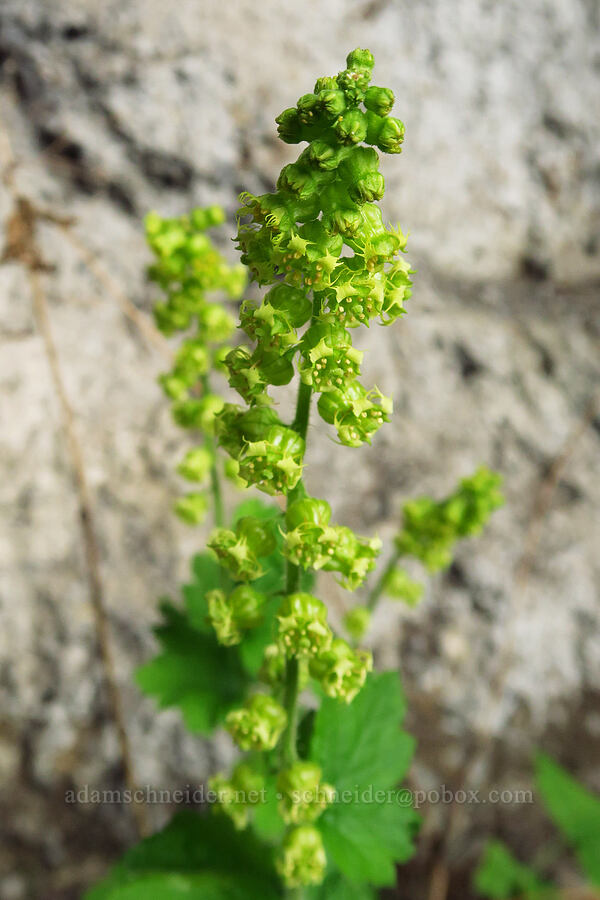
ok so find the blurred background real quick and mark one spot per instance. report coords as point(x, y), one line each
point(112, 109)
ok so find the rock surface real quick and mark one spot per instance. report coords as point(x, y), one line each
point(113, 109)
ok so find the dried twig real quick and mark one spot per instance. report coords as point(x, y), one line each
point(440, 881)
point(90, 543)
point(139, 319)
point(21, 246)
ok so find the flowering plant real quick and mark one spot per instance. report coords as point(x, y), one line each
point(253, 650)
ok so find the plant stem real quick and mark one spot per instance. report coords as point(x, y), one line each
point(294, 893)
point(215, 484)
point(292, 583)
point(215, 481)
point(300, 423)
point(290, 702)
point(377, 590)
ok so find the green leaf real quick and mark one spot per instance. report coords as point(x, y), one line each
point(336, 887)
point(192, 858)
point(268, 824)
point(574, 811)
point(207, 576)
point(364, 753)
point(500, 876)
point(192, 672)
point(184, 886)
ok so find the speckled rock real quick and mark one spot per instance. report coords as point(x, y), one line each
point(112, 109)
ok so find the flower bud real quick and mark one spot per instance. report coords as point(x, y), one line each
point(303, 795)
point(341, 671)
point(307, 107)
point(258, 725)
point(232, 472)
point(302, 859)
point(346, 222)
point(192, 508)
point(175, 387)
point(379, 100)
point(196, 464)
point(360, 59)
point(368, 189)
point(325, 84)
point(325, 155)
point(307, 512)
point(354, 83)
point(207, 217)
point(355, 412)
point(333, 102)
point(391, 135)
point(192, 413)
point(303, 628)
point(399, 585)
point(216, 323)
point(238, 794)
point(289, 126)
point(231, 616)
point(357, 621)
point(351, 127)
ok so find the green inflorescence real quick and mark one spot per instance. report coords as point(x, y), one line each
point(254, 634)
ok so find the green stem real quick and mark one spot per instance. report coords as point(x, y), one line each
point(292, 583)
point(300, 423)
point(377, 590)
point(215, 480)
point(215, 484)
point(294, 893)
point(290, 702)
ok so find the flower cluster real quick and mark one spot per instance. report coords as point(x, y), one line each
point(239, 794)
point(320, 245)
point(302, 859)
point(303, 628)
point(232, 615)
point(312, 542)
point(268, 454)
point(303, 794)
point(323, 234)
point(187, 267)
point(258, 725)
point(239, 549)
point(341, 671)
point(431, 528)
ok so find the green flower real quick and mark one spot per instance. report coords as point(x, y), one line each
point(192, 508)
point(239, 794)
point(355, 412)
point(399, 585)
point(239, 550)
point(431, 528)
point(302, 859)
point(303, 795)
point(258, 725)
point(232, 615)
point(196, 464)
point(357, 621)
point(303, 628)
point(341, 671)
